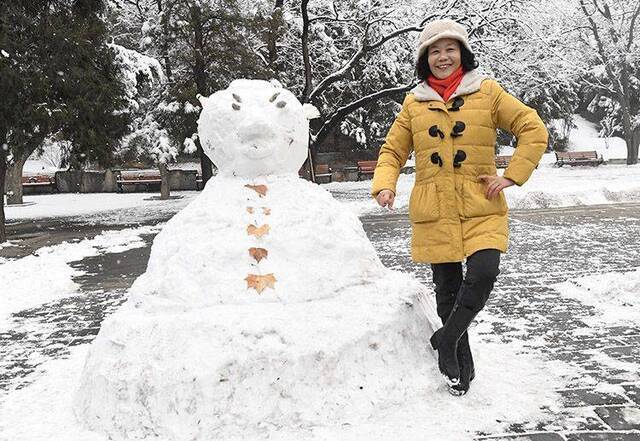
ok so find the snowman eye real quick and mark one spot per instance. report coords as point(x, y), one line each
point(237, 99)
point(273, 97)
point(281, 104)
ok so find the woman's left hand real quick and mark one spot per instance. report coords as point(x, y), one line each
point(495, 184)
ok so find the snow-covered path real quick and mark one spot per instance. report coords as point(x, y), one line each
point(589, 365)
point(593, 351)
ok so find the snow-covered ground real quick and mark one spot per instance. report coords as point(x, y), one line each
point(585, 137)
point(424, 407)
point(336, 347)
point(548, 187)
point(46, 275)
point(83, 204)
point(615, 296)
point(38, 166)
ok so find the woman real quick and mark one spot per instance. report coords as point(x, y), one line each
point(457, 208)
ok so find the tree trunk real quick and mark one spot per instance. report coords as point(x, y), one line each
point(164, 181)
point(626, 115)
point(635, 146)
point(165, 37)
point(272, 34)
point(308, 80)
point(200, 77)
point(3, 170)
point(13, 179)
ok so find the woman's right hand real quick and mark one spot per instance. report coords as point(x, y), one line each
point(385, 198)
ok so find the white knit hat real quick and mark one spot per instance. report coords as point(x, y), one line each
point(438, 29)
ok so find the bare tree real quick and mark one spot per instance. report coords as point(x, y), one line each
point(613, 28)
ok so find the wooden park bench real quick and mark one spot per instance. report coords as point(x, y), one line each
point(578, 158)
point(323, 171)
point(502, 161)
point(366, 168)
point(39, 181)
point(146, 178)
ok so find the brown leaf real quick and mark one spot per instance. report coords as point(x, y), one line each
point(258, 253)
point(260, 231)
point(260, 189)
point(266, 211)
point(250, 210)
point(260, 282)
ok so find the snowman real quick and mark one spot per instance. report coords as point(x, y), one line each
point(263, 306)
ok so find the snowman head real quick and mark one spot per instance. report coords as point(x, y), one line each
point(254, 128)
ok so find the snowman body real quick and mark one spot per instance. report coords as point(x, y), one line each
point(263, 304)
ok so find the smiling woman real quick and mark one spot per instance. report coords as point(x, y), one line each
point(457, 208)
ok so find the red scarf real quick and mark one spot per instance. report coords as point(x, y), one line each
point(447, 86)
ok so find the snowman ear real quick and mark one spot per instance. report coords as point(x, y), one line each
point(310, 111)
point(202, 99)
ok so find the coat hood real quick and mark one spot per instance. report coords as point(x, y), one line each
point(470, 83)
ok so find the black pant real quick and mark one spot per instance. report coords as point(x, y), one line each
point(472, 292)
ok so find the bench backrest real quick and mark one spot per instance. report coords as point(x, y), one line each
point(591, 154)
point(133, 175)
point(38, 179)
point(367, 165)
point(502, 160)
point(322, 169)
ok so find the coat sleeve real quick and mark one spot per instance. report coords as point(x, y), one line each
point(524, 123)
point(394, 152)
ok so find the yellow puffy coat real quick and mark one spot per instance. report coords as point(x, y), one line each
point(450, 216)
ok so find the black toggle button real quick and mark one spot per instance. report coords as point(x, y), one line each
point(458, 128)
point(435, 131)
point(457, 103)
point(458, 158)
point(436, 159)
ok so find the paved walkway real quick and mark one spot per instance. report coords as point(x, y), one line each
point(547, 246)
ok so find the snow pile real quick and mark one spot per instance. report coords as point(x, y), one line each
point(616, 296)
point(548, 187)
point(46, 276)
point(38, 167)
point(571, 186)
point(586, 137)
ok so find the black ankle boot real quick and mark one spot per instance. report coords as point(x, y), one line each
point(445, 341)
